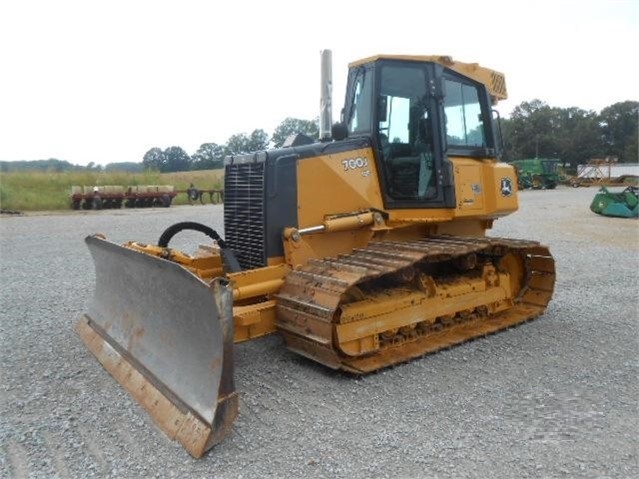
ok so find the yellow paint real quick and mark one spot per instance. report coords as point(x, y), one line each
point(334, 184)
point(394, 309)
point(328, 186)
point(253, 320)
point(348, 183)
point(324, 245)
point(257, 282)
point(495, 81)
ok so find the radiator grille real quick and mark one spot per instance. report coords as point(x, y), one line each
point(244, 213)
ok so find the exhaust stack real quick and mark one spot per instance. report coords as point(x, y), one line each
point(326, 100)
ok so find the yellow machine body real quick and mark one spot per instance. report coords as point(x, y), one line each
point(363, 252)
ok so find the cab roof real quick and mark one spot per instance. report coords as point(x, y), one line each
point(495, 81)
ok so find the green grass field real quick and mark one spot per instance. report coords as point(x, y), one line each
point(40, 191)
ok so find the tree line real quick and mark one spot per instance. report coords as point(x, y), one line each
point(211, 155)
point(573, 135)
point(534, 130)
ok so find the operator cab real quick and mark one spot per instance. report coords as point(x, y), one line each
point(418, 113)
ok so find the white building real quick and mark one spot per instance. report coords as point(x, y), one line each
point(607, 170)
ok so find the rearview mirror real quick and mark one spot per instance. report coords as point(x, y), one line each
point(339, 131)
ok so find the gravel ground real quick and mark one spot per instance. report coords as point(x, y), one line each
point(557, 397)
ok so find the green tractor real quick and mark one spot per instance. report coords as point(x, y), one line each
point(622, 205)
point(537, 173)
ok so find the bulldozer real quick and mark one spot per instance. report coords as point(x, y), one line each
point(363, 249)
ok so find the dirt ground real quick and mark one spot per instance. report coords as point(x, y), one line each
point(556, 397)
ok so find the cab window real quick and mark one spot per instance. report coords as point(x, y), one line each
point(405, 133)
point(464, 124)
point(360, 114)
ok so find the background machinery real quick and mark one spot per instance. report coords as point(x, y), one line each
point(621, 204)
point(114, 196)
point(363, 250)
point(537, 173)
point(605, 172)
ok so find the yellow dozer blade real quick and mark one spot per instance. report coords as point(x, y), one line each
point(167, 337)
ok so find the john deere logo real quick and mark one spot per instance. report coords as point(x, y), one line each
point(506, 187)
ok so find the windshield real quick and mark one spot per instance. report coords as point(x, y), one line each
point(550, 167)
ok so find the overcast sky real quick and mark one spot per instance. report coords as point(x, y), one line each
point(105, 81)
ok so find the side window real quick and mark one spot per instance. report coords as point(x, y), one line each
point(464, 125)
point(360, 119)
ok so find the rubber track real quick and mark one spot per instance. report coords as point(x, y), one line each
point(313, 294)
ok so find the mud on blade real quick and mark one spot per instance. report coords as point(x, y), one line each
point(167, 337)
